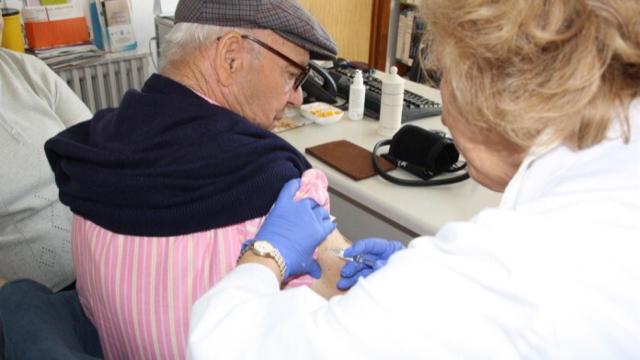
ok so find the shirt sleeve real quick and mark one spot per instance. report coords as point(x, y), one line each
point(440, 298)
point(249, 302)
point(68, 107)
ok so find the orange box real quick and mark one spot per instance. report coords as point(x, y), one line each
point(55, 25)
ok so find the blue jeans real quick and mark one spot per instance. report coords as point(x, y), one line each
point(39, 324)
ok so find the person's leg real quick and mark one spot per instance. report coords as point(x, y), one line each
point(39, 324)
point(1, 340)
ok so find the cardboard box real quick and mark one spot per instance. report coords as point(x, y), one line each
point(55, 25)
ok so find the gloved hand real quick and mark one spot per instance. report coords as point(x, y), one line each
point(375, 251)
point(296, 228)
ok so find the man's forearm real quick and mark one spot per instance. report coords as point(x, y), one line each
point(331, 265)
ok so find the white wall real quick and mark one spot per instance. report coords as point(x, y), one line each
point(142, 18)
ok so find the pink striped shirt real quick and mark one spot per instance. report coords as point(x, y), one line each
point(138, 291)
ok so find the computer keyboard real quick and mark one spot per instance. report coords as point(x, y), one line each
point(415, 106)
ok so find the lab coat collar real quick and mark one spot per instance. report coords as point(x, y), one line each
point(545, 160)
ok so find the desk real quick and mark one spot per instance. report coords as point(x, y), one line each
point(375, 207)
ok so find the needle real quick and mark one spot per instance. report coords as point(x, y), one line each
point(361, 259)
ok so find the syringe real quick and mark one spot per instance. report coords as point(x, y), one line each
point(361, 259)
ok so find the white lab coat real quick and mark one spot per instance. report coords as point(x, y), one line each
point(554, 272)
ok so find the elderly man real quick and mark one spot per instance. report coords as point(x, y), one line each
point(167, 187)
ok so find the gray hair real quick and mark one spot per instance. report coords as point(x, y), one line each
point(185, 38)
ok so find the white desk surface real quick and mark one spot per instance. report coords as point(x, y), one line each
point(422, 210)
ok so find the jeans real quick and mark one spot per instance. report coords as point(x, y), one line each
point(39, 324)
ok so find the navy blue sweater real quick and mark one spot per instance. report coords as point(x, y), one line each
point(167, 162)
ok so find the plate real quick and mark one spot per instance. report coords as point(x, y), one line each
point(321, 113)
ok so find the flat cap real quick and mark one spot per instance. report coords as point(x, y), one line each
point(285, 17)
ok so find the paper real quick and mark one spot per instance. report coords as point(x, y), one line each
point(62, 57)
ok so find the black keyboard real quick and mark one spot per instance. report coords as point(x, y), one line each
point(415, 106)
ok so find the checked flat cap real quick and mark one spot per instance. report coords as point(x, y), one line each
point(285, 17)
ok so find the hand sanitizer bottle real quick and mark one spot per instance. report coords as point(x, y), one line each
point(391, 103)
point(356, 97)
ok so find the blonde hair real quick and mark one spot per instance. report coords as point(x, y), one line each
point(568, 68)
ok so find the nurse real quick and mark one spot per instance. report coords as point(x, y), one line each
point(541, 98)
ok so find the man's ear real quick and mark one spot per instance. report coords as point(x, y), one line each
point(229, 58)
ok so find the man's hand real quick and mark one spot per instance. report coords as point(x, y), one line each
point(375, 251)
point(296, 228)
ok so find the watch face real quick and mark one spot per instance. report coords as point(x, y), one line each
point(262, 247)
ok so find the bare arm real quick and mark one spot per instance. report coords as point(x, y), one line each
point(331, 265)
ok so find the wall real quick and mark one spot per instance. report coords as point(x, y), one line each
point(348, 22)
point(142, 18)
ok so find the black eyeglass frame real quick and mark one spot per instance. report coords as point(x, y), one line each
point(304, 70)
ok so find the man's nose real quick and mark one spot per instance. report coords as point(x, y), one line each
point(295, 97)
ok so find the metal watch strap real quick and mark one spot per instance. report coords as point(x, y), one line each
point(280, 262)
point(275, 255)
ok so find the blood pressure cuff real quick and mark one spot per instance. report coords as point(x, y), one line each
point(431, 150)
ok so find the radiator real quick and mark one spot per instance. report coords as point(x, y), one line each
point(101, 84)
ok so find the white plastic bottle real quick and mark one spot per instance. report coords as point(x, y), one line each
point(356, 97)
point(391, 103)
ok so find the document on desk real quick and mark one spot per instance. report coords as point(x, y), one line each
point(350, 159)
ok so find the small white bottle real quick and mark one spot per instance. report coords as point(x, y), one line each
point(391, 103)
point(356, 97)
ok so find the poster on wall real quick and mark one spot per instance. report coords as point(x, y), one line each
point(112, 25)
point(119, 26)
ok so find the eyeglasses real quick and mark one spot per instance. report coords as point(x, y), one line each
point(304, 70)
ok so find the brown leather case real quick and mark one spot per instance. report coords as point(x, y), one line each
point(348, 158)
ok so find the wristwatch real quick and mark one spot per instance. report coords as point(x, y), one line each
point(263, 248)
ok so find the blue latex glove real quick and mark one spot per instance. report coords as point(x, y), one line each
point(296, 228)
point(374, 251)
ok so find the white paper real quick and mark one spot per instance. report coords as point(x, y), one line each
point(63, 12)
